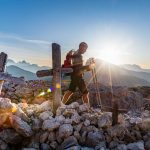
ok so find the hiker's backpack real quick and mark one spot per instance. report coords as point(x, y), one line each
point(68, 60)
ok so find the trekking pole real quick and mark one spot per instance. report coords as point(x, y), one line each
point(95, 83)
point(97, 87)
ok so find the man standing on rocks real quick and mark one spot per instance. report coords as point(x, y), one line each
point(77, 76)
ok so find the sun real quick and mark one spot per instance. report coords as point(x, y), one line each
point(111, 56)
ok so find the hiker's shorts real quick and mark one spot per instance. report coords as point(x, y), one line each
point(78, 81)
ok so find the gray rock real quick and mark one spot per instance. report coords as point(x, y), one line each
point(105, 120)
point(36, 124)
point(46, 115)
point(86, 123)
point(74, 148)
point(10, 136)
point(45, 106)
point(78, 127)
point(145, 125)
point(113, 144)
point(135, 101)
point(54, 145)
point(45, 146)
point(19, 112)
point(86, 148)
point(29, 149)
point(23, 91)
point(50, 125)
point(73, 105)
point(20, 126)
point(77, 135)
point(94, 138)
point(60, 110)
point(101, 145)
point(83, 108)
point(117, 131)
point(122, 147)
point(5, 105)
point(135, 120)
point(60, 119)
point(136, 146)
point(33, 144)
point(83, 138)
point(51, 136)
point(65, 130)
point(68, 143)
point(3, 145)
point(75, 118)
point(147, 144)
point(69, 112)
point(44, 137)
point(68, 121)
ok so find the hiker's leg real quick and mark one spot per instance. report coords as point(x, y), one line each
point(66, 96)
point(71, 90)
point(84, 91)
point(85, 99)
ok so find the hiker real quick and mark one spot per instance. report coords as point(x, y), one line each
point(77, 76)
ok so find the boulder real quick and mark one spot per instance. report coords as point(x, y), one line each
point(94, 138)
point(65, 130)
point(68, 143)
point(147, 145)
point(20, 126)
point(45, 146)
point(105, 120)
point(10, 136)
point(50, 125)
point(3, 145)
point(45, 115)
point(136, 146)
point(44, 137)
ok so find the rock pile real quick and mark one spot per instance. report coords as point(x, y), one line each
point(29, 91)
point(34, 127)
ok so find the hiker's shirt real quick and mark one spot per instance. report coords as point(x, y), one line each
point(77, 63)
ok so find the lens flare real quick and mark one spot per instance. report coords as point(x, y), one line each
point(49, 90)
point(42, 94)
point(58, 86)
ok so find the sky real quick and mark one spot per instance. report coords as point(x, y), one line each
point(116, 30)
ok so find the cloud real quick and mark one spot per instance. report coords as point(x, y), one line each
point(20, 39)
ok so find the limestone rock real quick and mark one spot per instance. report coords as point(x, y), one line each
point(105, 120)
point(136, 146)
point(94, 138)
point(50, 125)
point(69, 142)
point(10, 136)
point(20, 126)
point(46, 115)
point(65, 130)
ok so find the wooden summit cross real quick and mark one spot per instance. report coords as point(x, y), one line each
point(4, 76)
point(3, 59)
point(55, 72)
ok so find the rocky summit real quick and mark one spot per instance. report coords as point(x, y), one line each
point(34, 127)
point(28, 123)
